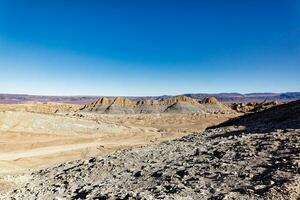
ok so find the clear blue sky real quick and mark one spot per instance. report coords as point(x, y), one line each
point(151, 47)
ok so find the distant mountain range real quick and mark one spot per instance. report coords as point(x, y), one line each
point(250, 97)
point(223, 97)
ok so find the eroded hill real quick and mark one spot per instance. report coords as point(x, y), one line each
point(178, 104)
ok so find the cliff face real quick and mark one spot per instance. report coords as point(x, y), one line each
point(178, 104)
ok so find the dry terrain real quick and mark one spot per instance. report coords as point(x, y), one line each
point(256, 156)
point(151, 149)
point(30, 140)
point(38, 135)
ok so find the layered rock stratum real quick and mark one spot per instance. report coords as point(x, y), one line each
point(178, 104)
point(256, 156)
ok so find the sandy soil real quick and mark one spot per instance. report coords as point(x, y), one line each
point(35, 140)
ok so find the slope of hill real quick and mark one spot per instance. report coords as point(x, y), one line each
point(253, 157)
point(281, 117)
point(178, 104)
point(40, 107)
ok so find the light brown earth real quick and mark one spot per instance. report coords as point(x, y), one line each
point(34, 136)
point(255, 156)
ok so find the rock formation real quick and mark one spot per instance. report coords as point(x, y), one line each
point(177, 104)
point(210, 100)
point(253, 106)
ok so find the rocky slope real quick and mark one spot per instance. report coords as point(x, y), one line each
point(253, 106)
point(178, 104)
point(40, 107)
point(256, 156)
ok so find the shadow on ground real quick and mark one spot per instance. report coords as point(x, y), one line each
point(273, 138)
point(286, 116)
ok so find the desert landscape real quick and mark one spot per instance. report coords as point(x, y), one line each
point(119, 148)
point(175, 148)
point(40, 134)
point(149, 100)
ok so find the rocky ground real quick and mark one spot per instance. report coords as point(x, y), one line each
point(31, 140)
point(253, 106)
point(254, 157)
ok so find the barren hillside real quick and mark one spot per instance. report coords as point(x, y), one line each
point(178, 104)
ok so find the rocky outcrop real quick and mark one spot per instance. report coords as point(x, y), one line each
point(253, 106)
point(149, 106)
point(124, 102)
point(99, 105)
point(120, 105)
point(179, 99)
point(178, 104)
point(281, 116)
point(182, 107)
point(210, 100)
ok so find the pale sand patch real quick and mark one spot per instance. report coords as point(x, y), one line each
point(34, 140)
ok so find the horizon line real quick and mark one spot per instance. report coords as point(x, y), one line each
point(182, 94)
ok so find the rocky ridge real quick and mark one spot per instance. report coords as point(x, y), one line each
point(256, 156)
point(178, 104)
point(253, 106)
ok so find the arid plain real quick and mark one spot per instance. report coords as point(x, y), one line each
point(36, 135)
point(173, 148)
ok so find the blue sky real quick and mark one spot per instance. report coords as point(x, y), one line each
point(92, 47)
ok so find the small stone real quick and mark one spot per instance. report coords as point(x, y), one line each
point(197, 152)
point(137, 173)
point(181, 171)
point(157, 174)
point(259, 187)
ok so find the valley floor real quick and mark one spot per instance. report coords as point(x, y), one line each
point(31, 141)
point(254, 156)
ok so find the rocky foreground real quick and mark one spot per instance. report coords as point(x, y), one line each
point(254, 157)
